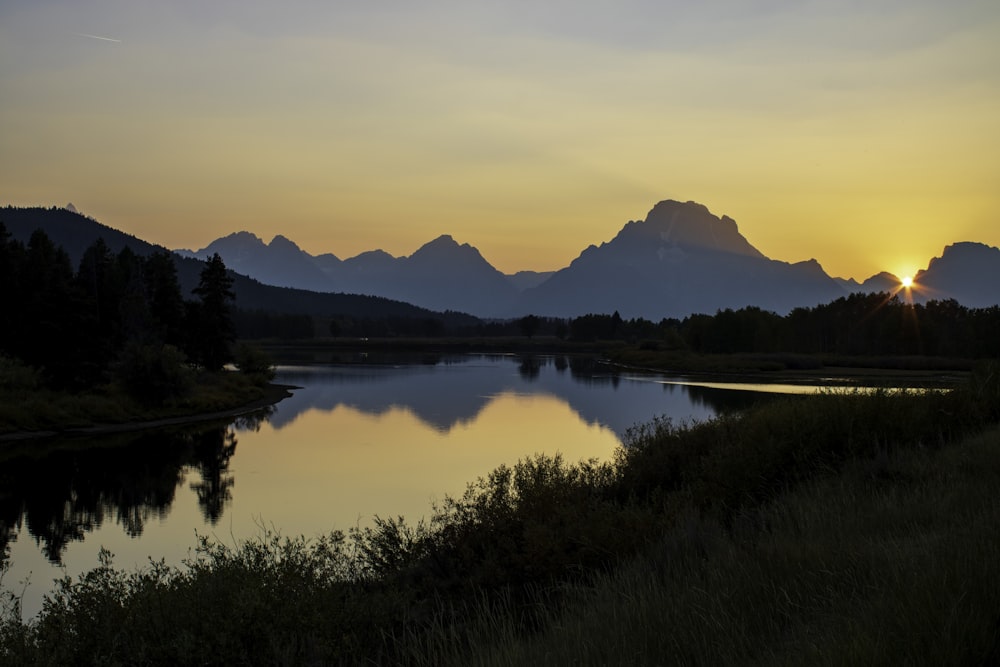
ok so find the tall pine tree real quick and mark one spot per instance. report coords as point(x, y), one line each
point(211, 326)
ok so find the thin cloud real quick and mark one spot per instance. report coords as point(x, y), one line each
point(105, 39)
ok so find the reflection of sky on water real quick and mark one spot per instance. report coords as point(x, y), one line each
point(446, 395)
point(352, 443)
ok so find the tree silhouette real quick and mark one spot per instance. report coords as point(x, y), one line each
point(12, 256)
point(50, 310)
point(101, 289)
point(163, 293)
point(212, 328)
point(529, 325)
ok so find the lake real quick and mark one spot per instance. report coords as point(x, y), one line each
point(356, 440)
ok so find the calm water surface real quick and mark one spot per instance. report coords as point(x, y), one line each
point(353, 442)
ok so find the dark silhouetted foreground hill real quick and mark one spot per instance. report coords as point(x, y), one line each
point(75, 233)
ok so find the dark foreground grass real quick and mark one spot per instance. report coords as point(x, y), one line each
point(894, 561)
point(836, 529)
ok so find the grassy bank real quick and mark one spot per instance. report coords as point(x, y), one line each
point(26, 411)
point(831, 529)
point(914, 371)
point(892, 561)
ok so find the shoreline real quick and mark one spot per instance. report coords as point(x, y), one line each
point(827, 376)
point(273, 394)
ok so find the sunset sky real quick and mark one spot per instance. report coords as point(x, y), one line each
point(863, 134)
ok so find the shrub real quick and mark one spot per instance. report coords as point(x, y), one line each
point(14, 374)
point(153, 373)
point(255, 363)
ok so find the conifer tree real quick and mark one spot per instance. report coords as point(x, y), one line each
point(212, 325)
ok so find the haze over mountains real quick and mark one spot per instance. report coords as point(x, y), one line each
point(680, 260)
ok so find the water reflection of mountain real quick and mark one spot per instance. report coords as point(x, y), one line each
point(725, 400)
point(77, 485)
point(444, 395)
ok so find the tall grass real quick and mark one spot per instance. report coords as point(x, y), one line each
point(833, 529)
point(892, 562)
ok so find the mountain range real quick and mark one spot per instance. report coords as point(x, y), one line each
point(441, 275)
point(680, 259)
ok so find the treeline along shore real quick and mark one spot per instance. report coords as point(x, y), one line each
point(114, 340)
point(875, 324)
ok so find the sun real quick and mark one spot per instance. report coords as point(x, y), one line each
point(907, 282)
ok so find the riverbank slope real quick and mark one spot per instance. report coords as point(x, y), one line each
point(42, 413)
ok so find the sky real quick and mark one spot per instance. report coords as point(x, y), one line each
point(865, 135)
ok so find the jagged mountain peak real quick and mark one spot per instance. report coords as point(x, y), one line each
point(691, 226)
point(811, 266)
point(965, 250)
point(238, 244)
point(679, 260)
point(670, 234)
point(248, 237)
point(368, 264)
point(443, 242)
point(377, 254)
point(445, 247)
point(327, 258)
point(966, 271)
point(964, 256)
point(883, 281)
point(283, 243)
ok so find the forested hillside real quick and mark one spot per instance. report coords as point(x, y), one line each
point(118, 311)
point(75, 233)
